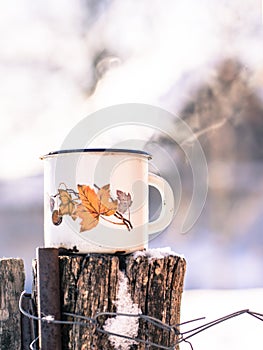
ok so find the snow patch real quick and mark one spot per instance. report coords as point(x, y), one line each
point(49, 318)
point(123, 325)
point(157, 253)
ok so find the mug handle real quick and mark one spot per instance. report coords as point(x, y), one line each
point(167, 198)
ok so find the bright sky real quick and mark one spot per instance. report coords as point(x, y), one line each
point(47, 50)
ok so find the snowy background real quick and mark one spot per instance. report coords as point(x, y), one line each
point(201, 60)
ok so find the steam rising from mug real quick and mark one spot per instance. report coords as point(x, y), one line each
point(156, 119)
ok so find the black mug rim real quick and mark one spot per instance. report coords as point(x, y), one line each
point(97, 150)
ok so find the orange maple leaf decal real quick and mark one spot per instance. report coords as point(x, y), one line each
point(93, 205)
point(88, 220)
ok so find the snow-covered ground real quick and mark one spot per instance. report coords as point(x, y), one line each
point(242, 332)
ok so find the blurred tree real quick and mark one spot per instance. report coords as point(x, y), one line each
point(226, 115)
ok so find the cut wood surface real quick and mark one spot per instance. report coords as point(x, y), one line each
point(137, 283)
point(12, 278)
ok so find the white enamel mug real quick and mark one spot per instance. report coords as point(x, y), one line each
point(97, 200)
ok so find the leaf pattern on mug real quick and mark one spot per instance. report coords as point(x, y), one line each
point(124, 201)
point(100, 203)
point(89, 206)
point(88, 220)
point(67, 204)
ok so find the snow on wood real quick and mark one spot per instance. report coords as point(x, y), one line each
point(125, 325)
point(157, 253)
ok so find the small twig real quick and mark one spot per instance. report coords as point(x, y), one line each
point(125, 221)
point(112, 222)
point(69, 190)
point(201, 132)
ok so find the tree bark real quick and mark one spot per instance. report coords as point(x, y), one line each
point(12, 279)
point(106, 283)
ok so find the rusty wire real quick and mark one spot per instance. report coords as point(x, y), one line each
point(93, 321)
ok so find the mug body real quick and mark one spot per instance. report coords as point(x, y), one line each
point(96, 200)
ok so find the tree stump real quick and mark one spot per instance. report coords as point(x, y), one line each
point(12, 279)
point(149, 283)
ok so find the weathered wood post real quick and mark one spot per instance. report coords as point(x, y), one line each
point(12, 279)
point(146, 282)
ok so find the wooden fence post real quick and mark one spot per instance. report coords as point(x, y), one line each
point(133, 283)
point(12, 279)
